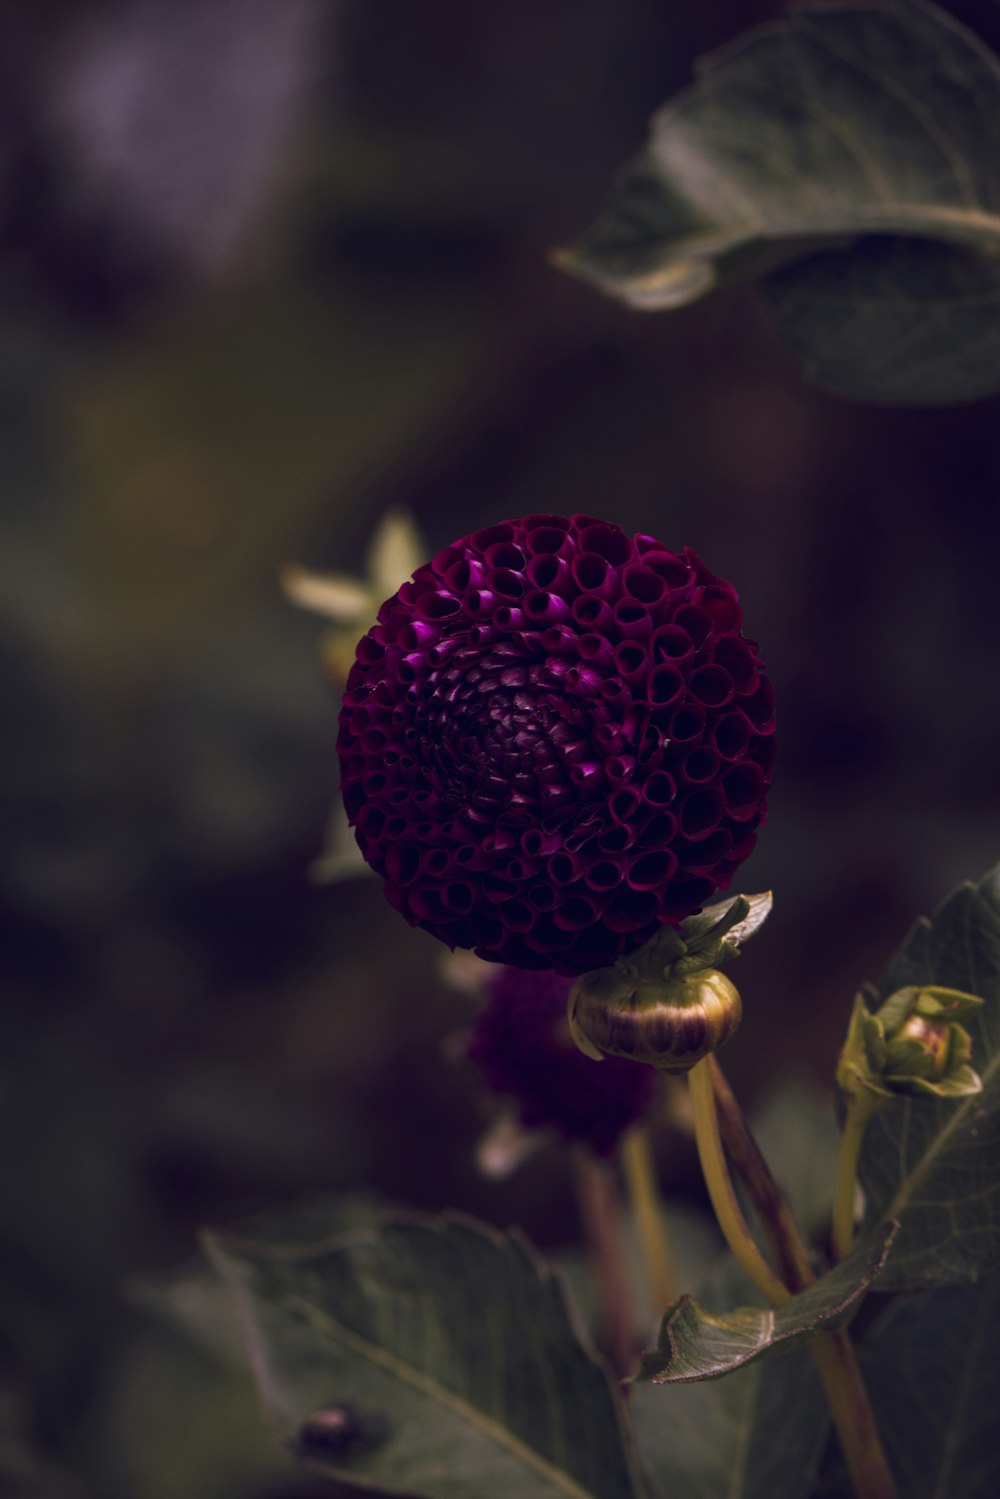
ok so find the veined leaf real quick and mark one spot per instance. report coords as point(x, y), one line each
point(934, 1165)
point(933, 1371)
point(698, 1344)
point(716, 1439)
point(858, 147)
point(445, 1357)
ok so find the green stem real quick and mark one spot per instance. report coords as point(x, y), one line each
point(833, 1352)
point(859, 1111)
point(644, 1198)
point(853, 1417)
point(790, 1252)
point(720, 1187)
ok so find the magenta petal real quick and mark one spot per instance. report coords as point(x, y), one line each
point(554, 740)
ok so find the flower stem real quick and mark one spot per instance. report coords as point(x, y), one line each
point(597, 1199)
point(833, 1352)
point(644, 1197)
point(846, 1184)
point(720, 1187)
point(853, 1417)
point(746, 1155)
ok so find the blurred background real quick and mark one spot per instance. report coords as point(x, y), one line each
point(267, 271)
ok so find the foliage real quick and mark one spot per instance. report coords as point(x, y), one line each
point(840, 158)
point(422, 1337)
point(454, 1346)
point(937, 1413)
point(934, 1164)
point(189, 1029)
point(698, 1344)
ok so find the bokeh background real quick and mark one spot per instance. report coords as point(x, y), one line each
point(266, 271)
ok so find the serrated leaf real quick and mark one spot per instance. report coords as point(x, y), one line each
point(934, 1375)
point(934, 1164)
point(850, 154)
point(698, 1344)
point(453, 1347)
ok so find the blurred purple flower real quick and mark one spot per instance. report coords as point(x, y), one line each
point(555, 740)
point(522, 1046)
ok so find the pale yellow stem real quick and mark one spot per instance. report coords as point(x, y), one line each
point(720, 1187)
point(647, 1213)
point(846, 1184)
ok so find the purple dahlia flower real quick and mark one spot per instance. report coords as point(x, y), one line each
point(522, 1046)
point(555, 739)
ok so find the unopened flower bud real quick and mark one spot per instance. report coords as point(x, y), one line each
point(670, 1022)
point(914, 1043)
point(921, 1046)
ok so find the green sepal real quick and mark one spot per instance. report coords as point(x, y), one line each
point(716, 934)
point(706, 940)
point(862, 1056)
point(667, 1004)
point(936, 1003)
point(880, 1058)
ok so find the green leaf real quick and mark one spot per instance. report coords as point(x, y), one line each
point(934, 1376)
point(850, 154)
point(934, 1164)
point(715, 1439)
point(452, 1352)
point(698, 1344)
point(895, 321)
point(758, 1434)
point(796, 1130)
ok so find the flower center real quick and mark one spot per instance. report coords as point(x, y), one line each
point(501, 732)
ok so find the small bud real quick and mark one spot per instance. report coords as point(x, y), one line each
point(912, 1044)
point(921, 1048)
point(671, 1022)
point(667, 1004)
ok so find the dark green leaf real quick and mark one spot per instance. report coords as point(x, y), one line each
point(698, 1344)
point(758, 1434)
point(715, 1439)
point(797, 1131)
point(852, 154)
point(896, 321)
point(934, 1376)
point(451, 1351)
point(934, 1165)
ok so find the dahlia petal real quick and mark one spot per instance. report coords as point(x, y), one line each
point(554, 739)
